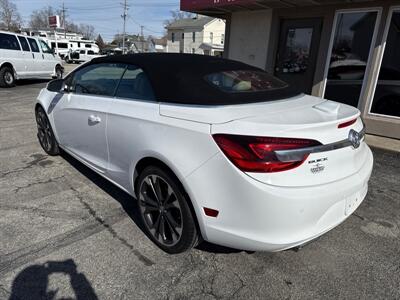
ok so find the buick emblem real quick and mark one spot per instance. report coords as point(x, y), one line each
point(355, 138)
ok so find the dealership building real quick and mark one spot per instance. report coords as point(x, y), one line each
point(347, 51)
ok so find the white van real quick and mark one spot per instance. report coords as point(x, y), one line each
point(79, 56)
point(23, 57)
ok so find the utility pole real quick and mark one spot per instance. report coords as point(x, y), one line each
point(63, 17)
point(141, 34)
point(125, 14)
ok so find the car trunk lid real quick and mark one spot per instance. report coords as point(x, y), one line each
point(301, 117)
point(326, 122)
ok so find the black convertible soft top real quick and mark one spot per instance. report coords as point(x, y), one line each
point(180, 78)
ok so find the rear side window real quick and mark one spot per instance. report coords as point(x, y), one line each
point(34, 45)
point(245, 81)
point(9, 42)
point(24, 43)
point(135, 85)
point(100, 79)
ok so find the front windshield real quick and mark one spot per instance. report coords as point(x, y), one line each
point(245, 81)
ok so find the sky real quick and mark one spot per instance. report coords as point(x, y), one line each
point(105, 15)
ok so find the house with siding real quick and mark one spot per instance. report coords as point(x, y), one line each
point(199, 35)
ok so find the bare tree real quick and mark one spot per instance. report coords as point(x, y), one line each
point(71, 27)
point(10, 19)
point(40, 20)
point(40, 17)
point(87, 31)
point(100, 42)
point(178, 15)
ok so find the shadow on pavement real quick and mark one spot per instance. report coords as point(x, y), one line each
point(129, 203)
point(23, 82)
point(32, 282)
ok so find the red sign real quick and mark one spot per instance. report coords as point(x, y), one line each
point(54, 21)
point(202, 4)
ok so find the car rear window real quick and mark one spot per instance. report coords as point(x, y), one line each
point(235, 81)
point(9, 42)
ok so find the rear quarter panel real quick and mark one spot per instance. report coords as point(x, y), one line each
point(136, 130)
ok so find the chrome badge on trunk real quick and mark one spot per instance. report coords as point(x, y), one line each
point(355, 138)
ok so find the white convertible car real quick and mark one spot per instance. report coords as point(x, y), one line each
point(212, 149)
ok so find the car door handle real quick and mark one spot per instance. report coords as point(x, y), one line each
point(94, 119)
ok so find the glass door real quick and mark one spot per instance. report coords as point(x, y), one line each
point(297, 52)
point(349, 55)
point(386, 98)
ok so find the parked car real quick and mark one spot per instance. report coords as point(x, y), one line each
point(109, 51)
point(79, 56)
point(212, 149)
point(23, 57)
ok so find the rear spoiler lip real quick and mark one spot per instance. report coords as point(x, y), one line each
point(299, 154)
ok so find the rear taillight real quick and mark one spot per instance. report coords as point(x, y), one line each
point(346, 124)
point(257, 154)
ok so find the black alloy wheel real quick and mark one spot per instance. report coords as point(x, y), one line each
point(165, 211)
point(45, 133)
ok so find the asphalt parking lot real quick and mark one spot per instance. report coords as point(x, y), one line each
point(67, 233)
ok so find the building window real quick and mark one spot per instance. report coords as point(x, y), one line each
point(351, 47)
point(183, 35)
point(194, 37)
point(222, 38)
point(387, 94)
point(173, 37)
point(211, 37)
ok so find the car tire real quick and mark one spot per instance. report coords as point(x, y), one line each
point(45, 133)
point(7, 78)
point(165, 211)
point(59, 72)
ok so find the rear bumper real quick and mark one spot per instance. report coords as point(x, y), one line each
point(257, 216)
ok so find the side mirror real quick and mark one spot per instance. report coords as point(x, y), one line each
point(56, 85)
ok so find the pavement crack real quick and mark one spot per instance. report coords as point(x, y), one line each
point(146, 261)
point(19, 188)
point(38, 159)
point(20, 257)
point(56, 214)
